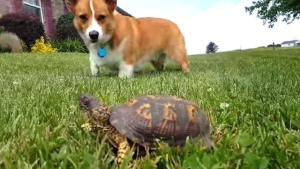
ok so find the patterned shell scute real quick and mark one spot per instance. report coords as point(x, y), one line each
point(167, 118)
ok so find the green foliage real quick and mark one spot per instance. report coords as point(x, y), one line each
point(69, 45)
point(212, 48)
point(245, 140)
point(65, 28)
point(252, 160)
point(64, 20)
point(251, 98)
point(65, 32)
point(270, 10)
point(26, 26)
point(24, 46)
point(275, 45)
point(2, 29)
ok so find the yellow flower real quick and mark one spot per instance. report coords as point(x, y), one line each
point(41, 47)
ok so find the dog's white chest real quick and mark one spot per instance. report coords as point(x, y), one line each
point(111, 59)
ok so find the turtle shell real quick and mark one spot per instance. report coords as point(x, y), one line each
point(146, 119)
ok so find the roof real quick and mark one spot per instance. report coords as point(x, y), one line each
point(121, 11)
point(289, 41)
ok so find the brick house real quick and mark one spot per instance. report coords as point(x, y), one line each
point(47, 10)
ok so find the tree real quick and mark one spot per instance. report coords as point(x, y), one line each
point(212, 48)
point(270, 10)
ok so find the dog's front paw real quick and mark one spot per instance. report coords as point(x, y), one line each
point(125, 71)
point(125, 75)
point(95, 71)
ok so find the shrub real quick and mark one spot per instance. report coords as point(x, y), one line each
point(65, 28)
point(26, 26)
point(24, 47)
point(41, 47)
point(67, 32)
point(2, 29)
point(271, 45)
point(10, 42)
point(69, 45)
point(64, 20)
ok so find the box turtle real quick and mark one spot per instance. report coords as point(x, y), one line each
point(145, 120)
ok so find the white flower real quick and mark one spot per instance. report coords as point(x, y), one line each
point(86, 126)
point(209, 89)
point(224, 105)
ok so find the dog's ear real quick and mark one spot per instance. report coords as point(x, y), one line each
point(71, 5)
point(111, 4)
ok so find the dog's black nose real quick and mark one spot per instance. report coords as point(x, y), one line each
point(94, 35)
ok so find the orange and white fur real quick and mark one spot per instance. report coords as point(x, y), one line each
point(129, 42)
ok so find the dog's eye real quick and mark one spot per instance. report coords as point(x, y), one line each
point(83, 18)
point(101, 18)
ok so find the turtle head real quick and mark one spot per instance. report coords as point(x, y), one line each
point(96, 113)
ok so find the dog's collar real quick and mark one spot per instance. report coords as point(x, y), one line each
point(101, 50)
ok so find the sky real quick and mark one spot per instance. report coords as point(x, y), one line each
point(223, 22)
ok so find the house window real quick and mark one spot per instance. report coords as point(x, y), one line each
point(34, 7)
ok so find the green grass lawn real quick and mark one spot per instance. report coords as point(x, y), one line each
point(40, 120)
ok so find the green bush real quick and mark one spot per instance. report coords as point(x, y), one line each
point(67, 38)
point(69, 45)
point(64, 20)
point(24, 46)
point(2, 29)
point(67, 32)
point(65, 28)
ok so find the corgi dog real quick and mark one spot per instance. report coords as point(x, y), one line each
point(126, 43)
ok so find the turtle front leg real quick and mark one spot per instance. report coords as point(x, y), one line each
point(123, 150)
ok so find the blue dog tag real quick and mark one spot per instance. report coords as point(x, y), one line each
point(101, 52)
